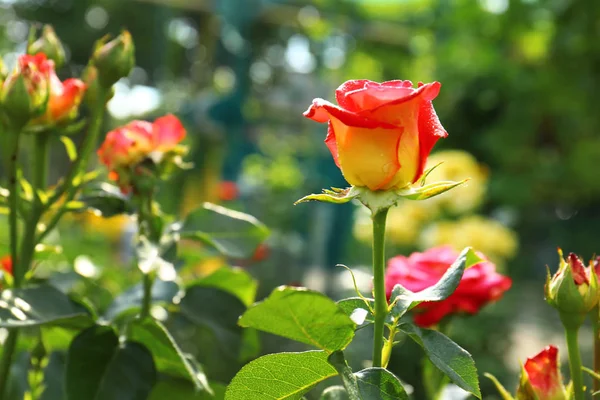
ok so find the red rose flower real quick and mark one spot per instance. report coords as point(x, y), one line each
point(381, 134)
point(541, 374)
point(480, 284)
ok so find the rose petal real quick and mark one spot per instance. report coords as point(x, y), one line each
point(375, 95)
point(168, 131)
point(430, 131)
point(321, 111)
point(367, 156)
point(349, 86)
point(331, 144)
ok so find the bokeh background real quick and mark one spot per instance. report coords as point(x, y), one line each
point(519, 100)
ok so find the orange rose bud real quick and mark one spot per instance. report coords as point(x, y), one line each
point(49, 44)
point(129, 145)
point(114, 59)
point(380, 134)
point(541, 378)
point(25, 92)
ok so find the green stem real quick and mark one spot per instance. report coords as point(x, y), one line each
point(575, 362)
point(146, 228)
point(10, 344)
point(147, 299)
point(389, 345)
point(596, 325)
point(13, 188)
point(71, 183)
point(38, 182)
point(381, 305)
point(8, 352)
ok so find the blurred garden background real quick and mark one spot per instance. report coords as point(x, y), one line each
point(519, 84)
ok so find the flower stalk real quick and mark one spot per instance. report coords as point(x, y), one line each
point(71, 182)
point(575, 365)
point(596, 325)
point(381, 305)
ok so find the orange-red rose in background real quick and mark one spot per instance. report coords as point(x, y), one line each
point(480, 284)
point(380, 134)
point(130, 144)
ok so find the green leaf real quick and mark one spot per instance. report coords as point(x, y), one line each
point(70, 147)
point(40, 305)
point(334, 393)
point(338, 360)
point(303, 315)
point(233, 233)
point(217, 310)
point(105, 199)
point(379, 383)
point(168, 357)
point(233, 280)
point(357, 310)
point(99, 367)
point(130, 301)
point(370, 383)
point(450, 358)
point(335, 196)
point(404, 299)
point(280, 376)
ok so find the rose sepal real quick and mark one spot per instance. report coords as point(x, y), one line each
point(381, 199)
point(333, 195)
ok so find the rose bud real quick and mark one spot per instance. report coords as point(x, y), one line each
point(479, 285)
point(25, 92)
point(125, 148)
point(114, 59)
point(573, 290)
point(49, 44)
point(541, 378)
point(380, 134)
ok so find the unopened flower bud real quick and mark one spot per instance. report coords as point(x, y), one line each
point(25, 92)
point(115, 59)
point(49, 44)
point(573, 290)
point(541, 378)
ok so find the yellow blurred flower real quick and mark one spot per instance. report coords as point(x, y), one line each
point(112, 227)
point(457, 165)
point(404, 222)
point(493, 239)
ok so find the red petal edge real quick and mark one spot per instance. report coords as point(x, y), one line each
point(320, 110)
point(331, 144)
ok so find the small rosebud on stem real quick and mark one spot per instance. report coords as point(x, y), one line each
point(115, 59)
point(573, 291)
point(49, 44)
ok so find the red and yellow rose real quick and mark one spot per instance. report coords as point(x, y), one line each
point(380, 134)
